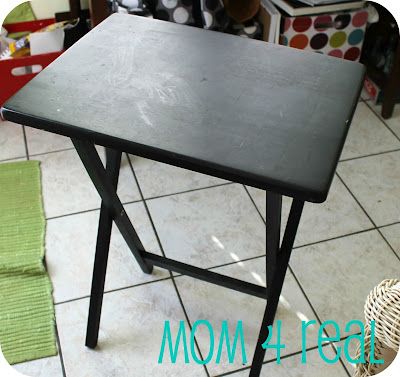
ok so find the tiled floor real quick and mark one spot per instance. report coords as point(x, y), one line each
point(344, 247)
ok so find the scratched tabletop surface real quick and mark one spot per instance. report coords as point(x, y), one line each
point(261, 114)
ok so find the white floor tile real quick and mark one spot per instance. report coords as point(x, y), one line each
point(209, 227)
point(11, 141)
point(47, 367)
point(70, 247)
point(156, 179)
point(131, 331)
point(352, 348)
point(394, 121)
point(42, 142)
point(338, 216)
point(338, 275)
point(67, 187)
point(392, 234)
point(368, 135)
point(259, 198)
point(292, 366)
point(204, 301)
point(351, 345)
point(375, 182)
point(14, 160)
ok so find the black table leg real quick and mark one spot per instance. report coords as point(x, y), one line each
point(102, 248)
point(273, 233)
point(280, 259)
point(91, 160)
point(105, 181)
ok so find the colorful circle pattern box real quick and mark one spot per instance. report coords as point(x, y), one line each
point(179, 11)
point(337, 34)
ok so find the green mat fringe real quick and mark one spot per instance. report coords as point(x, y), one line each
point(27, 321)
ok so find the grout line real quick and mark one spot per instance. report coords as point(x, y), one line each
point(369, 155)
point(383, 121)
point(315, 242)
point(191, 190)
point(388, 243)
point(230, 263)
point(55, 321)
point(220, 265)
point(137, 201)
point(25, 143)
point(60, 354)
point(354, 197)
point(88, 210)
point(254, 203)
point(304, 293)
point(11, 159)
point(51, 152)
point(136, 285)
point(294, 248)
point(369, 217)
point(387, 225)
point(163, 253)
point(335, 238)
point(152, 281)
point(72, 300)
point(211, 268)
point(113, 290)
point(274, 360)
point(342, 362)
point(234, 262)
point(317, 316)
point(189, 323)
point(72, 214)
point(145, 206)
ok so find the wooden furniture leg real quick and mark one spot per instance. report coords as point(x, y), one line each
point(98, 11)
point(392, 87)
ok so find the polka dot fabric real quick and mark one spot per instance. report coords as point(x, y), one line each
point(214, 15)
point(178, 11)
point(339, 35)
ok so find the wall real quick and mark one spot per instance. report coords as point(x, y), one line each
point(47, 8)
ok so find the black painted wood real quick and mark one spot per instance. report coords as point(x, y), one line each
point(113, 165)
point(256, 113)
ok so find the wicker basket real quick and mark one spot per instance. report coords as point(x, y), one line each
point(383, 307)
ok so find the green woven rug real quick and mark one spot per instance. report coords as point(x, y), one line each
point(22, 12)
point(27, 329)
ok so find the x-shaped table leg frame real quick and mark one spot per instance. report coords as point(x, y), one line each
point(278, 255)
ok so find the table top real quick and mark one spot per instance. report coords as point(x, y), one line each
point(248, 111)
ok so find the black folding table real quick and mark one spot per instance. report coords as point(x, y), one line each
point(259, 114)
